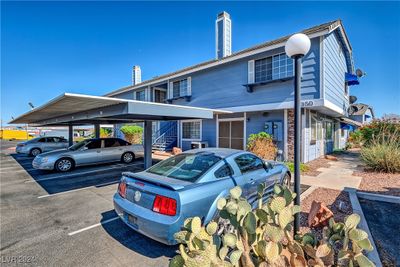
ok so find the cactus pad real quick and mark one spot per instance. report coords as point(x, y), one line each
point(235, 256)
point(277, 204)
point(272, 251)
point(236, 192)
point(176, 261)
point(221, 202)
point(352, 221)
point(229, 240)
point(357, 234)
point(195, 225)
point(212, 228)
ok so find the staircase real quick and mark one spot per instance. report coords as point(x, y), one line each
point(166, 137)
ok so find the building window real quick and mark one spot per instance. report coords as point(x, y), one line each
point(140, 95)
point(159, 96)
point(328, 130)
point(180, 88)
point(271, 68)
point(191, 130)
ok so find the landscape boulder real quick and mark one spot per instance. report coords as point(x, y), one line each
point(319, 215)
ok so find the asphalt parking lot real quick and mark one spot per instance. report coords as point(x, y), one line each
point(49, 219)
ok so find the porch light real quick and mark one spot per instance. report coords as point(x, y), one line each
point(296, 47)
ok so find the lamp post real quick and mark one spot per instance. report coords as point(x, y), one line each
point(296, 47)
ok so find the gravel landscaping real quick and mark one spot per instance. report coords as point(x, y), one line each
point(331, 198)
point(314, 165)
point(379, 183)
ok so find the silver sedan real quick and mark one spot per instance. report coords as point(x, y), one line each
point(39, 145)
point(90, 151)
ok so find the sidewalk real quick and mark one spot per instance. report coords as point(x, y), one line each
point(338, 176)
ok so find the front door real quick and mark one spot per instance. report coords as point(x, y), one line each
point(231, 134)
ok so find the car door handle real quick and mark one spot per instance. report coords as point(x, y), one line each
point(98, 151)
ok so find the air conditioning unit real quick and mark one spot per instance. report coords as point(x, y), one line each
point(201, 144)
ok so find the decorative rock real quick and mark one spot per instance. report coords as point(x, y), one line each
point(330, 157)
point(176, 151)
point(319, 215)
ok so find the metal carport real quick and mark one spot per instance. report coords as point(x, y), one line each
point(77, 109)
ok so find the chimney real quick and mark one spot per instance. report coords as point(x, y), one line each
point(223, 35)
point(136, 75)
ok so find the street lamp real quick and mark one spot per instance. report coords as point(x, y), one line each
point(296, 47)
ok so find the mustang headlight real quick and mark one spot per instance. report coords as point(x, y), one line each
point(44, 160)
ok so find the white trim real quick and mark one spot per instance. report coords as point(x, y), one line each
point(191, 139)
point(210, 65)
point(303, 134)
point(321, 68)
point(244, 130)
point(333, 107)
point(250, 71)
point(286, 105)
point(285, 134)
point(189, 86)
point(217, 130)
point(232, 119)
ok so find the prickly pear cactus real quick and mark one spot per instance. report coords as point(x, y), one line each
point(262, 237)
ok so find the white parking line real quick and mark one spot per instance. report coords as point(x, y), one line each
point(92, 226)
point(81, 173)
point(79, 189)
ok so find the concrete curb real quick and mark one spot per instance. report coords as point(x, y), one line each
point(378, 197)
point(372, 255)
point(307, 192)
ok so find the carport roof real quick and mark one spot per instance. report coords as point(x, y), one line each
point(78, 109)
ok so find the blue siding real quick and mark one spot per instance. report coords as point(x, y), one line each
point(125, 95)
point(334, 71)
point(222, 86)
point(256, 122)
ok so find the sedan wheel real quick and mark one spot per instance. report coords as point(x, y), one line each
point(35, 152)
point(128, 157)
point(64, 165)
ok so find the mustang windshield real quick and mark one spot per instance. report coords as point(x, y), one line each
point(186, 166)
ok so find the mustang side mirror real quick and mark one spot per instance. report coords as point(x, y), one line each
point(267, 165)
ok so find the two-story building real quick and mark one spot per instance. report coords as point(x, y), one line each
point(256, 84)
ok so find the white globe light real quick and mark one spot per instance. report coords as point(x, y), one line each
point(297, 44)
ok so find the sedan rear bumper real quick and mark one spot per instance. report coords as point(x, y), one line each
point(156, 226)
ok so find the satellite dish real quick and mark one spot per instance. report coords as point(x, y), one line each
point(352, 109)
point(352, 99)
point(360, 73)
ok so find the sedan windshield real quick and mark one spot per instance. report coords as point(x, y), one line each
point(79, 145)
point(186, 166)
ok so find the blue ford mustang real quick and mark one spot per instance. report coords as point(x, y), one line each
point(156, 202)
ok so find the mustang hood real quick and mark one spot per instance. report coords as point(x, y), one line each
point(162, 181)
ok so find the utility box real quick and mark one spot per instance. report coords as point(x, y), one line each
point(200, 144)
point(274, 128)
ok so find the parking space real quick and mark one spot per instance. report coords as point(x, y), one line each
point(50, 218)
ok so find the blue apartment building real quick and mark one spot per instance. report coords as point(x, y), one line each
point(256, 85)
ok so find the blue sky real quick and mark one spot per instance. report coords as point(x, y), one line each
point(48, 48)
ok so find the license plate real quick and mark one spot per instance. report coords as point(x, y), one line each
point(132, 220)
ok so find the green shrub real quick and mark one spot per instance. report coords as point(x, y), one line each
point(262, 144)
point(381, 129)
point(105, 132)
point(132, 133)
point(383, 152)
point(262, 237)
point(290, 165)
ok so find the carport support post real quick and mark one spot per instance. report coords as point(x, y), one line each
point(147, 144)
point(97, 130)
point(70, 135)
